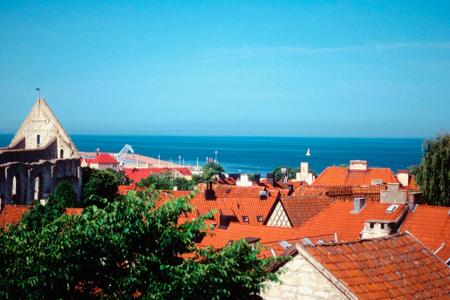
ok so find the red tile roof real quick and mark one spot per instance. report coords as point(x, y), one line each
point(342, 176)
point(338, 218)
point(385, 268)
point(347, 193)
point(299, 209)
point(12, 214)
point(238, 202)
point(74, 211)
point(103, 159)
point(137, 174)
point(431, 225)
point(269, 237)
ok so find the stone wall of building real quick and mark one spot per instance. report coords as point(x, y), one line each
point(22, 183)
point(29, 155)
point(301, 280)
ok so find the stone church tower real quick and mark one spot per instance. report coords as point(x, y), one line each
point(39, 157)
point(40, 129)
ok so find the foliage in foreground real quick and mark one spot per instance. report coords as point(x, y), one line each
point(433, 173)
point(127, 249)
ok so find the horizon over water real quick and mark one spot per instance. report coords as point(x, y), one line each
point(259, 154)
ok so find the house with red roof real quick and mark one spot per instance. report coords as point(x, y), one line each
point(431, 225)
point(137, 174)
point(247, 205)
point(102, 161)
point(357, 174)
point(274, 241)
point(293, 211)
point(348, 221)
point(393, 267)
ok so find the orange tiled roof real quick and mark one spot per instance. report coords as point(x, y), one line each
point(11, 214)
point(342, 176)
point(74, 211)
point(240, 202)
point(299, 209)
point(269, 237)
point(346, 193)
point(386, 268)
point(431, 225)
point(338, 218)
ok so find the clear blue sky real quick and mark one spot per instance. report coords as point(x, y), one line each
point(367, 68)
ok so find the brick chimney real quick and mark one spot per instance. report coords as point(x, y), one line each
point(270, 179)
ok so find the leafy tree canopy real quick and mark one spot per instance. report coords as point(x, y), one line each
point(433, 173)
point(211, 169)
point(101, 187)
point(65, 194)
point(278, 175)
point(167, 181)
point(126, 249)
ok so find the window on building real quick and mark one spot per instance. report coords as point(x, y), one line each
point(259, 218)
point(61, 153)
point(382, 225)
point(372, 225)
point(245, 219)
point(38, 139)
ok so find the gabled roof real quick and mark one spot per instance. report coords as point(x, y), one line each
point(235, 201)
point(339, 218)
point(12, 214)
point(269, 237)
point(431, 225)
point(343, 176)
point(397, 266)
point(103, 159)
point(39, 111)
point(299, 209)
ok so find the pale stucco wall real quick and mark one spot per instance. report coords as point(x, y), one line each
point(301, 280)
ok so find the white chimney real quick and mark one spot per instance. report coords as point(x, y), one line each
point(403, 177)
point(243, 180)
point(358, 165)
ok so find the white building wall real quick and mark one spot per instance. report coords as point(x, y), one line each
point(301, 280)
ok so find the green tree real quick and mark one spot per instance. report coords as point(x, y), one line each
point(100, 188)
point(126, 249)
point(167, 181)
point(211, 169)
point(433, 173)
point(278, 175)
point(65, 194)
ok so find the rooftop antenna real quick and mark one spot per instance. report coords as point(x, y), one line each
point(216, 152)
point(39, 92)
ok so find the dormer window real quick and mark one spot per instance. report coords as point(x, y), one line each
point(245, 219)
point(259, 219)
point(38, 139)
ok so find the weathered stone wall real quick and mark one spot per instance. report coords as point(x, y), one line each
point(37, 180)
point(301, 280)
point(30, 155)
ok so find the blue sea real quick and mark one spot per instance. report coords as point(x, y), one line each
point(260, 154)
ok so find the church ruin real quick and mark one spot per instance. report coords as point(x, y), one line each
point(39, 157)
